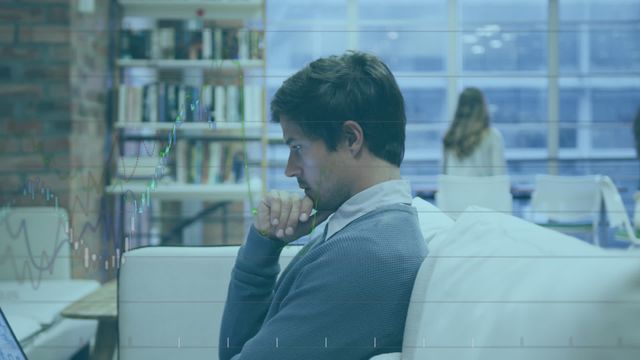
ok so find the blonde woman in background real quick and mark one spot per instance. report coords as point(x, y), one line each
point(472, 147)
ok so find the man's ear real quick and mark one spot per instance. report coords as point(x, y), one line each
point(353, 136)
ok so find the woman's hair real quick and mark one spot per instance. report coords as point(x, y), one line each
point(469, 125)
point(636, 132)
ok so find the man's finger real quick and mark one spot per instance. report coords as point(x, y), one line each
point(285, 211)
point(274, 207)
point(263, 222)
point(305, 209)
point(292, 223)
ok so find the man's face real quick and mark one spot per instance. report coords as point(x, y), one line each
point(321, 173)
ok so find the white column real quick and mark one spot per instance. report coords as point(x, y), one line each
point(453, 56)
point(352, 24)
point(553, 94)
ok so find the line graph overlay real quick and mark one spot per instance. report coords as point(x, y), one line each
point(34, 265)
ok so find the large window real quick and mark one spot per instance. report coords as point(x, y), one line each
point(412, 40)
point(437, 48)
point(504, 53)
point(502, 36)
point(599, 56)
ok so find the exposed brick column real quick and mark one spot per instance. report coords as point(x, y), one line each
point(90, 81)
point(34, 100)
point(53, 86)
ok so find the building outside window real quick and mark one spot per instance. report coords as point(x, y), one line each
point(438, 48)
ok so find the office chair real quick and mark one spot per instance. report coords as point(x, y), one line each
point(572, 203)
point(616, 212)
point(455, 193)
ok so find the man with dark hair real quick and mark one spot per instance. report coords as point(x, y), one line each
point(346, 294)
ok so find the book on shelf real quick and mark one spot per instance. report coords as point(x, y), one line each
point(196, 161)
point(230, 43)
point(219, 103)
point(163, 102)
point(192, 40)
point(233, 103)
point(209, 162)
point(136, 43)
point(256, 45)
point(181, 150)
point(164, 44)
point(207, 38)
point(216, 45)
point(182, 102)
point(214, 162)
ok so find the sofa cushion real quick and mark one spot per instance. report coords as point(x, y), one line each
point(43, 302)
point(62, 341)
point(23, 327)
point(498, 287)
point(432, 220)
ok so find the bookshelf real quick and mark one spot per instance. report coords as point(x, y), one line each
point(185, 9)
point(189, 118)
point(222, 65)
point(199, 192)
point(249, 132)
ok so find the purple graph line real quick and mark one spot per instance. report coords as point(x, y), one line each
point(47, 261)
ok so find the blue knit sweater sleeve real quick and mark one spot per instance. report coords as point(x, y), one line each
point(347, 298)
point(250, 292)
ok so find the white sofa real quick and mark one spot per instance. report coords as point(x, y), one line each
point(36, 284)
point(498, 287)
point(492, 287)
point(170, 300)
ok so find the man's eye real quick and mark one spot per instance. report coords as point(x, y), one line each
point(296, 147)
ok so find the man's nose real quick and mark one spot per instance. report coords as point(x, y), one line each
point(292, 169)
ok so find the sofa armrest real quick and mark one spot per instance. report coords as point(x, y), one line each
point(388, 356)
point(23, 326)
point(171, 300)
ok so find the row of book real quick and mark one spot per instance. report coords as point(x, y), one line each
point(178, 39)
point(193, 162)
point(164, 102)
point(209, 162)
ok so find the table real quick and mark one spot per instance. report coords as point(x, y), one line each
point(101, 305)
point(519, 192)
point(522, 194)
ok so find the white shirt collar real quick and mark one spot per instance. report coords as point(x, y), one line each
point(382, 194)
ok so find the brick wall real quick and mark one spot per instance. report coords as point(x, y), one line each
point(34, 113)
point(89, 79)
point(53, 86)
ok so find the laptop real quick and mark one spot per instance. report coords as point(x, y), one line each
point(9, 346)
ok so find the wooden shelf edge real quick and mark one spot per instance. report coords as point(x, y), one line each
point(224, 126)
point(204, 192)
point(207, 64)
point(188, 9)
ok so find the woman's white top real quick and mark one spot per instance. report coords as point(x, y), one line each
point(487, 159)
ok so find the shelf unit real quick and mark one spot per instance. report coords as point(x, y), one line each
point(217, 65)
point(191, 101)
point(186, 9)
point(228, 128)
point(197, 192)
